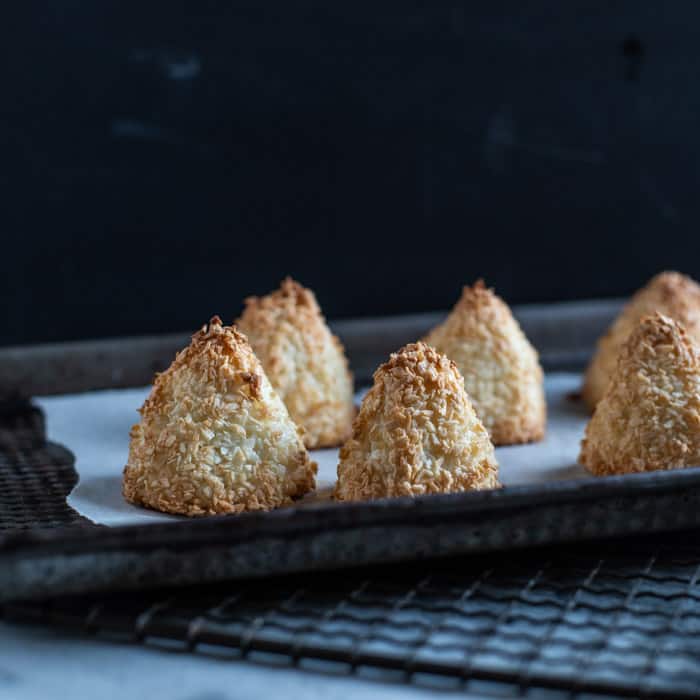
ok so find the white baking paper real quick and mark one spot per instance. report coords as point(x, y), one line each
point(95, 427)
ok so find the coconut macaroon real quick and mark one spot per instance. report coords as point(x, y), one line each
point(304, 361)
point(670, 293)
point(501, 369)
point(649, 417)
point(416, 433)
point(214, 437)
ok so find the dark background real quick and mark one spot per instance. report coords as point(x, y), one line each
point(160, 161)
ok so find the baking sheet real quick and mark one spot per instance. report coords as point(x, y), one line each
point(95, 427)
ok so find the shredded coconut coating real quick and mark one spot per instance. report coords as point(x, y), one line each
point(304, 361)
point(501, 369)
point(214, 437)
point(649, 417)
point(670, 293)
point(416, 433)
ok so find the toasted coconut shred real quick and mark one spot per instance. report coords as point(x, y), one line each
point(670, 293)
point(649, 417)
point(416, 433)
point(501, 369)
point(304, 361)
point(214, 436)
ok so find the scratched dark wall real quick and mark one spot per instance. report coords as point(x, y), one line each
point(160, 161)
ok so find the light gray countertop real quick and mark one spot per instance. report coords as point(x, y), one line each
point(38, 663)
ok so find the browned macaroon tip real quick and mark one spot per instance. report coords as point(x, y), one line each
point(478, 292)
point(478, 286)
point(420, 359)
point(481, 301)
point(414, 352)
point(215, 334)
point(289, 294)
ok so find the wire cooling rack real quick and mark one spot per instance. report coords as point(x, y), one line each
point(620, 618)
point(617, 617)
point(35, 475)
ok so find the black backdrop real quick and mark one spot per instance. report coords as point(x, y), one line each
point(160, 160)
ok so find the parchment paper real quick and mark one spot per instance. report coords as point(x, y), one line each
point(95, 427)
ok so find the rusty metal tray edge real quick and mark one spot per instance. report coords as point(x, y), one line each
point(73, 559)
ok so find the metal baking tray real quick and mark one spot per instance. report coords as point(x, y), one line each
point(47, 549)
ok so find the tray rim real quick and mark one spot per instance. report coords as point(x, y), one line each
point(344, 515)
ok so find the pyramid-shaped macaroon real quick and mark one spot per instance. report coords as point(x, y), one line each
point(214, 437)
point(304, 361)
point(670, 293)
point(501, 369)
point(649, 417)
point(416, 433)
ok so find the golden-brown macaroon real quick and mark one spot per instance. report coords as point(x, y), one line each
point(214, 437)
point(304, 361)
point(416, 433)
point(649, 417)
point(670, 293)
point(501, 369)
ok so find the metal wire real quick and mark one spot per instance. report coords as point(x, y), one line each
point(35, 476)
